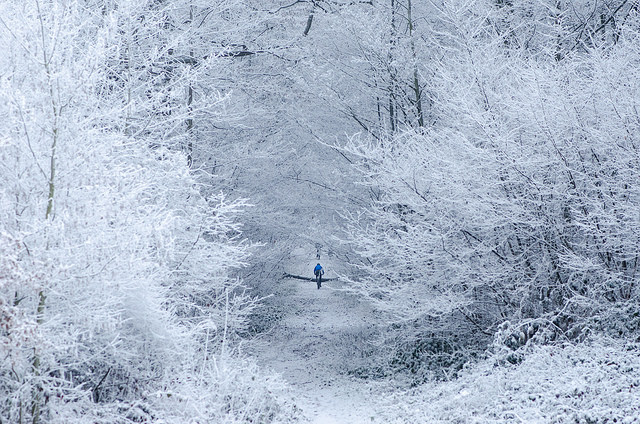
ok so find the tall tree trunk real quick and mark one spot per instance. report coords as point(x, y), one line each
point(189, 120)
point(189, 125)
point(309, 21)
point(416, 82)
point(55, 115)
point(557, 20)
point(392, 74)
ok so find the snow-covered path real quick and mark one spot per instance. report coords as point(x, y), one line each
point(313, 345)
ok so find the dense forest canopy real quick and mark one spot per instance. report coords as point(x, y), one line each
point(471, 168)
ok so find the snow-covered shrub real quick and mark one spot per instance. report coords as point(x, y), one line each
point(521, 204)
point(115, 286)
point(591, 382)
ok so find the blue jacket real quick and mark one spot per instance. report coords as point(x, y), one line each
point(317, 269)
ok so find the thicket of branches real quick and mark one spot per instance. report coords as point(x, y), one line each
point(498, 146)
point(116, 300)
point(514, 217)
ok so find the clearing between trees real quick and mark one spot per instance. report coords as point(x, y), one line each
point(314, 345)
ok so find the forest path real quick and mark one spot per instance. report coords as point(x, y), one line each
point(314, 344)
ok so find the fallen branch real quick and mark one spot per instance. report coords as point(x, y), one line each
point(286, 275)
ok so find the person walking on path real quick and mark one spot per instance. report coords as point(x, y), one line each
point(318, 272)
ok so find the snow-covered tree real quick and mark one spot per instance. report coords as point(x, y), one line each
point(116, 299)
point(517, 208)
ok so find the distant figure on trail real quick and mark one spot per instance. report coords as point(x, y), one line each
point(318, 272)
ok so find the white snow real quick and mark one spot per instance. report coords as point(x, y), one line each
point(311, 347)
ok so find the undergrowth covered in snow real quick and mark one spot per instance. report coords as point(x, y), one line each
point(591, 382)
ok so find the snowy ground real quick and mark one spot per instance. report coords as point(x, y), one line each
point(313, 346)
point(320, 334)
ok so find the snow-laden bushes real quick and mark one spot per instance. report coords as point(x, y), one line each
point(590, 382)
point(121, 308)
point(521, 204)
point(117, 303)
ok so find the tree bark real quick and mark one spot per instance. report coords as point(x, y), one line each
point(189, 120)
point(416, 82)
point(392, 75)
point(309, 21)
